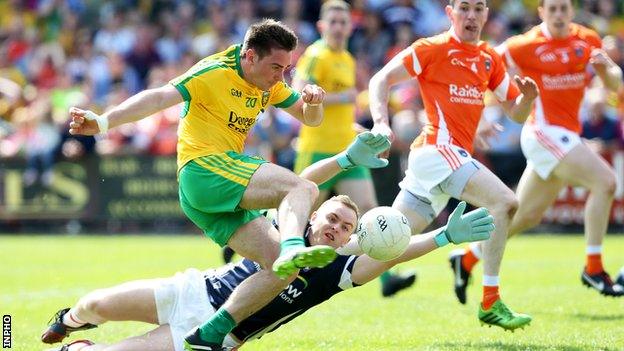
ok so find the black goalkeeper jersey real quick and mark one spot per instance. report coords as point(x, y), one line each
point(310, 288)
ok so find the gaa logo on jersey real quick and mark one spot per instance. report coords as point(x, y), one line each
point(488, 65)
point(564, 139)
point(236, 92)
point(578, 51)
point(265, 98)
point(463, 152)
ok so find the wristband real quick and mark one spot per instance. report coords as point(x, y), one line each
point(101, 121)
point(441, 238)
point(346, 98)
point(309, 104)
point(344, 161)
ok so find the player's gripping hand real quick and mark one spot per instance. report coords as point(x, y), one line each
point(527, 87)
point(85, 122)
point(475, 225)
point(363, 151)
point(600, 60)
point(312, 94)
point(384, 129)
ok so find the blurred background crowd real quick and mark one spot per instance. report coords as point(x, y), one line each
point(60, 53)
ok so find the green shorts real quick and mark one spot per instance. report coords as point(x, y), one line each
point(304, 159)
point(211, 187)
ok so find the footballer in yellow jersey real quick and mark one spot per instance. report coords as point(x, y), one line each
point(220, 189)
point(328, 64)
point(334, 71)
point(217, 98)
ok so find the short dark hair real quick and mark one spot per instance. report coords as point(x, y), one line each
point(334, 5)
point(267, 35)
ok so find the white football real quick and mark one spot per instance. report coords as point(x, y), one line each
point(383, 233)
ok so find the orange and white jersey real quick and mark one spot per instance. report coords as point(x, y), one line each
point(558, 66)
point(453, 78)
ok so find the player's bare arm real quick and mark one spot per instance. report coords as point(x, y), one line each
point(519, 109)
point(379, 88)
point(321, 171)
point(139, 106)
point(309, 108)
point(363, 151)
point(608, 71)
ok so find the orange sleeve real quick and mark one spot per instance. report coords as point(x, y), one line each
point(500, 83)
point(594, 39)
point(513, 51)
point(416, 60)
point(588, 35)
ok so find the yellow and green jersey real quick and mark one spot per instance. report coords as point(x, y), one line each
point(220, 106)
point(333, 71)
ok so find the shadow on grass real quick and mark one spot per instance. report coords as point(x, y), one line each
point(598, 317)
point(511, 347)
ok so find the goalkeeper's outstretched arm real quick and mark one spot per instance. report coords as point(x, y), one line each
point(475, 225)
point(363, 151)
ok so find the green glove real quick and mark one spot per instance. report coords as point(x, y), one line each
point(475, 225)
point(363, 151)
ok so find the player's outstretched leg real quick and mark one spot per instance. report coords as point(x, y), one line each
point(502, 316)
point(294, 258)
point(58, 330)
point(294, 197)
point(393, 283)
point(602, 282)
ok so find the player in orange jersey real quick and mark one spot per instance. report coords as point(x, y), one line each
point(454, 70)
point(557, 54)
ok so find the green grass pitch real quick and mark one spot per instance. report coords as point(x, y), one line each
point(540, 276)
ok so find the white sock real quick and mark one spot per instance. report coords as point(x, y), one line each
point(593, 249)
point(476, 250)
point(490, 280)
point(70, 319)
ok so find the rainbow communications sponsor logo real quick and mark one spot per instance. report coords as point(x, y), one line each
point(465, 95)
